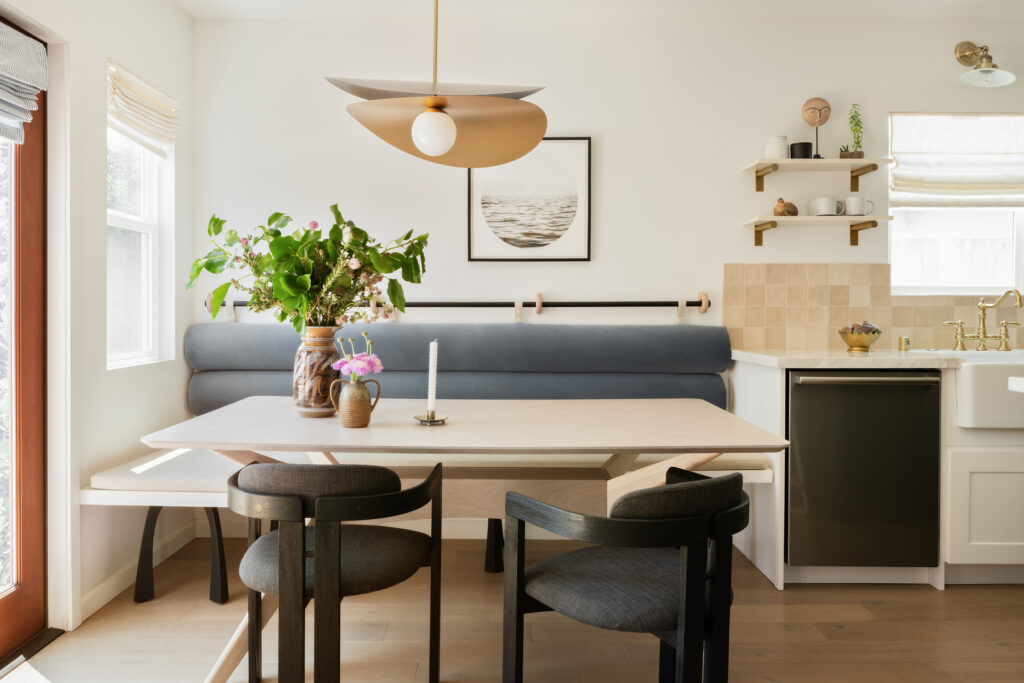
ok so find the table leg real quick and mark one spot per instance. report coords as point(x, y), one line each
point(493, 560)
point(236, 648)
point(321, 458)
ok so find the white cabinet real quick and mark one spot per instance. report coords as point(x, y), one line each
point(985, 505)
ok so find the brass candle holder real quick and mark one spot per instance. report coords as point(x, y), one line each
point(431, 419)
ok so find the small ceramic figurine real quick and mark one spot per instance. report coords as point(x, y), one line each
point(784, 208)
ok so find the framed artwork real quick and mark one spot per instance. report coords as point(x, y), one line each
point(536, 208)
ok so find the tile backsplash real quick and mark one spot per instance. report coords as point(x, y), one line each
point(802, 305)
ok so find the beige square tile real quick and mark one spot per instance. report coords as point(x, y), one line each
point(817, 274)
point(775, 316)
point(796, 295)
point(736, 337)
point(732, 316)
point(796, 316)
point(753, 274)
point(859, 314)
point(880, 295)
point(835, 342)
point(775, 295)
point(796, 274)
point(732, 295)
point(881, 316)
point(902, 316)
point(966, 313)
point(860, 295)
point(817, 295)
point(941, 314)
point(838, 316)
point(775, 274)
point(753, 316)
point(880, 274)
point(753, 295)
point(838, 274)
point(838, 295)
point(796, 338)
point(732, 274)
point(860, 274)
point(775, 338)
point(817, 337)
point(754, 337)
point(922, 316)
point(817, 316)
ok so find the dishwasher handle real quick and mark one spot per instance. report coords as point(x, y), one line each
point(874, 380)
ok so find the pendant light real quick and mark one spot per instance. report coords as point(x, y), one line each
point(453, 124)
point(985, 73)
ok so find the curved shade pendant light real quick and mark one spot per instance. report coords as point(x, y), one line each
point(984, 72)
point(469, 126)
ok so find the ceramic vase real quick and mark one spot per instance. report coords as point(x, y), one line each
point(353, 401)
point(313, 374)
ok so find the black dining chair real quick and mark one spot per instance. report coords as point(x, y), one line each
point(662, 565)
point(331, 558)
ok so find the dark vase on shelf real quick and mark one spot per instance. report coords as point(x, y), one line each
point(801, 150)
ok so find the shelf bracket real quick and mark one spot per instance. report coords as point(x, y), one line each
point(759, 229)
point(855, 229)
point(856, 173)
point(760, 173)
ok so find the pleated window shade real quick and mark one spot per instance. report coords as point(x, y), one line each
point(22, 77)
point(954, 160)
point(141, 111)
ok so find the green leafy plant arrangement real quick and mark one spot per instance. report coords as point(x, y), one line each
point(856, 127)
point(310, 278)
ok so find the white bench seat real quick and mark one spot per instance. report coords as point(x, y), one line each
point(756, 468)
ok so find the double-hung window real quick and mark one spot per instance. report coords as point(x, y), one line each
point(957, 199)
point(142, 122)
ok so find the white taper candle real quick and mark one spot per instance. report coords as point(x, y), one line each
point(432, 378)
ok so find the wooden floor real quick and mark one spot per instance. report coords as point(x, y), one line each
point(806, 634)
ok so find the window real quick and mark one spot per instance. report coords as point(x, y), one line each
point(142, 123)
point(957, 201)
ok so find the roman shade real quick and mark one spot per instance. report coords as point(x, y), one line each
point(140, 111)
point(950, 160)
point(22, 77)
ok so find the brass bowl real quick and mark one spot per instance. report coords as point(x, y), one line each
point(859, 342)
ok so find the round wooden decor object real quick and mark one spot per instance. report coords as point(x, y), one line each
point(816, 111)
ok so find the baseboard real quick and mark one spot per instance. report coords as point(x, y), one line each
point(857, 575)
point(163, 547)
point(984, 573)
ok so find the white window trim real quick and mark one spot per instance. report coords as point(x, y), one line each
point(156, 223)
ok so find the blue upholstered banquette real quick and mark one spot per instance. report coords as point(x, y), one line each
point(488, 361)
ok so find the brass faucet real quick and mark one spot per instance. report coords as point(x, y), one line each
point(982, 335)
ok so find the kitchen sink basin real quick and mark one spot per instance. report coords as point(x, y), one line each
point(983, 396)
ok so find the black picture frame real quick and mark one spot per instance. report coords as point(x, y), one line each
point(530, 259)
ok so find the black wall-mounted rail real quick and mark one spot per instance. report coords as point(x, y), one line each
point(697, 303)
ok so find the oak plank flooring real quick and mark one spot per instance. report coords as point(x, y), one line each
point(806, 634)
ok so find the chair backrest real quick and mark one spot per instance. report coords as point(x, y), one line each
point(695, 495)
point(309, 482)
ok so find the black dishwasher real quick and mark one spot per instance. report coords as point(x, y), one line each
point(863, 475)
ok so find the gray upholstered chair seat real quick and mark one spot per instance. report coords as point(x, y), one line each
point(376, 557)
point(623, 589)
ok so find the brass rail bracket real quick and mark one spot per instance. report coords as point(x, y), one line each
point(856, 173)
point(855, 229)
point(759, 229)
point(759, 175)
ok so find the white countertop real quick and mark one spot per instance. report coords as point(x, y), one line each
point(881, 358)
point(1017, 384)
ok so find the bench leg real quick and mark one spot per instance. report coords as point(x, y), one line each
point(218, 565)
point(144, 574)
point(495, 546)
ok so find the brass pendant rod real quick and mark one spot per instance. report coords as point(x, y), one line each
point(434, 87)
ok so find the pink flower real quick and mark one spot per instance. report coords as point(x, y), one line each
point(374, 362)
point(364, 276)
point(354, 264)
point(359, 366)
point(244, 240)
point(313, 225)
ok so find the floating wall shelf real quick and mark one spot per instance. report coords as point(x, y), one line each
point(855, 167)
point(854, 223)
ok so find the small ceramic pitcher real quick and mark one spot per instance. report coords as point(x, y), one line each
point(353, 401)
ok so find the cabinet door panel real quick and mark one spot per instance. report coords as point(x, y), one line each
point(986, 506)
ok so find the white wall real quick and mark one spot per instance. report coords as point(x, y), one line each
point(97, 416)
point(678, 99)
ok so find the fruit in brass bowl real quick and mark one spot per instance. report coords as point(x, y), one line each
point(860, 336)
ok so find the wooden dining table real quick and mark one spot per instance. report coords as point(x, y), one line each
point(497, 442)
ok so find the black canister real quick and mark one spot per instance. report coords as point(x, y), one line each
point(800, 150)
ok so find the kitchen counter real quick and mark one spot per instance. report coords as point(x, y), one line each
point(834, 359)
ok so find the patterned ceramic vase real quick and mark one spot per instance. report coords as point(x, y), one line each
point(313, 374)
point(353, 401)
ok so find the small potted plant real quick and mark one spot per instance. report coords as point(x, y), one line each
point(353, 400)
point(856, 150)
point(316, 280)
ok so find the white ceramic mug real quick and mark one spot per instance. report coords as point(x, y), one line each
point(858, 206)
point(826, 206)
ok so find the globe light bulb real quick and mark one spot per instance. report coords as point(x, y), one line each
point(433, 132)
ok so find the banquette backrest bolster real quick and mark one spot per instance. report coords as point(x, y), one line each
point(231, 361)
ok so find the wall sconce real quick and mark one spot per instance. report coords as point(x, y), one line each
point(984, 73)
